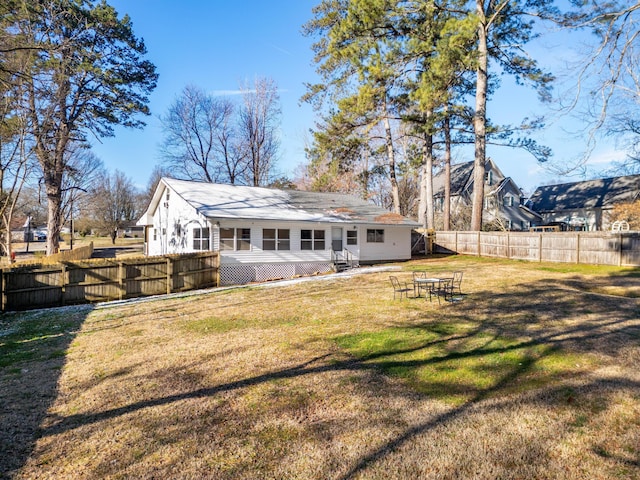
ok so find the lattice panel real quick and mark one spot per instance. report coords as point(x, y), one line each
point(239, 274)
point(311, 268)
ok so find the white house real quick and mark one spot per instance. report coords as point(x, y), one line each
point(264, 233)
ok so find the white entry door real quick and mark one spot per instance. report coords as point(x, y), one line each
point(336, 239)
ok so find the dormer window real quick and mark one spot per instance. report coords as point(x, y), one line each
point(507, 201)
point(488, 177)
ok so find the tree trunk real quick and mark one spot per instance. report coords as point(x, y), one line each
point(425, 208)
point(428, 172)
point(479, 121)
point(54, 219)
point(422, 204)
point(395, 195)
point(447, 173)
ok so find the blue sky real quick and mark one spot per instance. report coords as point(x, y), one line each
point(219, 44)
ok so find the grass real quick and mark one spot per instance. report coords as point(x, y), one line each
point(534, 374)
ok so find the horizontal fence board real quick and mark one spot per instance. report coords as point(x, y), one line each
point(34, 286)
point(598, 248)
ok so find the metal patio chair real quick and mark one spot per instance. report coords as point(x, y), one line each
point(443, 288)
point(457, 282)
point(400, 288)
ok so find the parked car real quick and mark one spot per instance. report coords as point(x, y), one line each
point(40, 236)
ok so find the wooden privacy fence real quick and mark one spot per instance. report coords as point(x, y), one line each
point(97, 281)
point(598, 248)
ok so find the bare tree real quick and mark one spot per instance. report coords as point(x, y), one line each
point(199, 141)
point(16, 162)
point(115, 201)
point(157, 173)
point(607, 83)
point(83, 171)
point(258, 123)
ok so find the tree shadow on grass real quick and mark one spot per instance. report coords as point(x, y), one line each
point(33, 348)
point(541, 317)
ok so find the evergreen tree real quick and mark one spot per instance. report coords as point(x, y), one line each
point(87, 73)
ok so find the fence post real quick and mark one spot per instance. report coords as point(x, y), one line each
point(508, 245)
point(540, 248)
point(63, 283)
point(3, 284)
point(121, 280)
point(169, 275)
point(456, 242)
point(478, 243)
point(578, 248)
point(216, 263)
point(620, 249)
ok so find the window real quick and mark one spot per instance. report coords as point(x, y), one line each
point(375, 235)
point(227, 238)
point(275, 239)
point(438, 204)
point(525, 225)
point(312, 240)
point(508, 224)
point(507, 201)
point(352, 237)
point(235, 239)
point(488, 177)
point(243, 239)
point(201, 239)
point(155, 234)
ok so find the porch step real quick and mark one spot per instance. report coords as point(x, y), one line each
point(341, 265)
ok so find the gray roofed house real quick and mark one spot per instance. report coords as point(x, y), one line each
point(584, 205)
point(503, 204)
point(269, 233)
point(461, 180)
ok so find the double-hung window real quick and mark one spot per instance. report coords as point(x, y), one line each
point(312, 240)
point(375, 235)
point(201, 239)
point(276, 239)
point(235, 239)
point(352, 237)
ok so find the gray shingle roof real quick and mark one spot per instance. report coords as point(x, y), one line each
point(461, 176)
point(237, 201)
point(604, 192)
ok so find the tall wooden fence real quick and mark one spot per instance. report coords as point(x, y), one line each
point(598, 248)
point(102, 280)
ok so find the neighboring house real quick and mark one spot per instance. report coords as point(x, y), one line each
point(264, 233)
point(503, 199)
point(131, 230)
point(584, 205)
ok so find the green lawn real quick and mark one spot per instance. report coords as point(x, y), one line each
point(535, 373)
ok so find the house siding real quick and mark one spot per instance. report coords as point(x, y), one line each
point(591, 219)
point(172, 218)
point(396, 245)
point(173, 221)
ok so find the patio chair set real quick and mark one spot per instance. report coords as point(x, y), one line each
point(439, 287)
